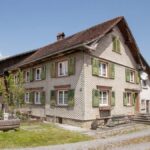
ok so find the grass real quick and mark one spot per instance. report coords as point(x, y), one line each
point(39, 135)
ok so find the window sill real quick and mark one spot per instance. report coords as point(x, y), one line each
point(37, 104)
point(130, 82)
point(128, 105)
point(104, 108)
point(61, 105)
point(144, 87)
point(62, 76)
point(117, 52)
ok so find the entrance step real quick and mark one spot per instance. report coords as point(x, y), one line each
point(142, 118)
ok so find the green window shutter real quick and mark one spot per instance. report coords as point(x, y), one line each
point(53, 69)
point(95, 98)
point(112, 98)
point(111, 70)
point(137, 77)
point(125, 99)
point(31, 74)
point(53, 98)
point(118, 45)
point(127, 74)
point(31, 98)
point(71, 66)
point(43, 73)
point(95, 66)
point(71, 98)
point(114, 44)
point(43, 97)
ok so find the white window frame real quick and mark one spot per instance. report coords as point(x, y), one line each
point(15, 79)
point(144, 85)
point(129, 98)
point(27, 78)
point(64, 71)
point(63, 98)
point(36, 75)
point(101, 70)
point(132, 76)
point(102, 98)
point(143, 104)
point(27, 97)
point(37, 97)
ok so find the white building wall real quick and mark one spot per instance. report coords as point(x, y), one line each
point(144, 96)
point(125, 59)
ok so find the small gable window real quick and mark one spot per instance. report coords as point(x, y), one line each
point(116, 44)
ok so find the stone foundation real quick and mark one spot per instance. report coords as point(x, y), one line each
point(73, 122)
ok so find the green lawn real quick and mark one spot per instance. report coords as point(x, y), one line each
point(38, 135)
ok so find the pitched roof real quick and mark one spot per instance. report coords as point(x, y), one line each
point(11, 61)
point(145, 63)
point(73, 40)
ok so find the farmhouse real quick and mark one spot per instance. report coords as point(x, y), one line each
point(91, 74)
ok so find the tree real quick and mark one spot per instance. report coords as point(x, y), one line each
point(15, 89)
point(12, 91)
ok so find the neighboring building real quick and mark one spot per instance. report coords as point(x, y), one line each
point(8, 62)
point(145, 88)
point(91, 74)
point(11, 61)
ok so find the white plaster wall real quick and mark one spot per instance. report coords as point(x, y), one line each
point(144, 95)
point(76, 81)
point(104, 50)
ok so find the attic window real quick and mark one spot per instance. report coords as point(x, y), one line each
point(116, 44)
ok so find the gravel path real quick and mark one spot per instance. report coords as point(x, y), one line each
point(141, 146)
point(102, 143)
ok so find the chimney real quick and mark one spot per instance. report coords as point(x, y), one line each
point(60, 36)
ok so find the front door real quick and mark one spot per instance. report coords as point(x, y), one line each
point(147, 106)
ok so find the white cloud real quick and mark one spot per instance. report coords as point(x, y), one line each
point(1, 56)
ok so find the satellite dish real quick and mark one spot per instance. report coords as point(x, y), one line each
point(144, 76)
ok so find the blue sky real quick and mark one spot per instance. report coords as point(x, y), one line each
point(30, 24)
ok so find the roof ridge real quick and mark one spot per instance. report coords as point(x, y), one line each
point(76, 39)
point(119, 17)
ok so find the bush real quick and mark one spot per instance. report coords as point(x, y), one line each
point(22, 116)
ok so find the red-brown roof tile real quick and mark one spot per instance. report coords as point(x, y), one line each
point(73, 40)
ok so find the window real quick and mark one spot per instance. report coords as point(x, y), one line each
point(27, 76)
point(27, 96)
point(129, 99)
point(142, 104)
point(116, 44)
point(103, 69)
point(15, 79)
point(62, 97)
point(38, 74)
point(132, 76)
point(144, 83)
point(63, 68)
point(103, 98)
point(37, 97)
